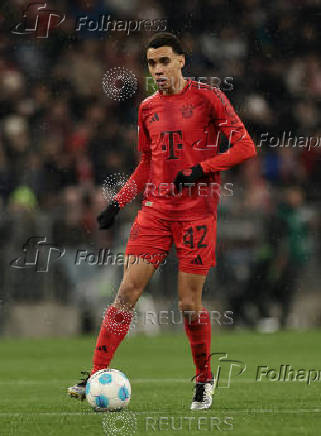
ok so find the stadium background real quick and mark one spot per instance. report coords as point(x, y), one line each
point(61, 136)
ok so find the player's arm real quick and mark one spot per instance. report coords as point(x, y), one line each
point(228, 122)
point(135, 184)
point(241, 145)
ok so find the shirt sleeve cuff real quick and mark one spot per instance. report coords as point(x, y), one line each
point(205, 167)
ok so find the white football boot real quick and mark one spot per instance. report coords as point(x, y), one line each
point(79, 389)
point(202, 398)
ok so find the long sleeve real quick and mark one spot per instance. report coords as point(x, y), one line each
point(137, 181)
point(228, 122)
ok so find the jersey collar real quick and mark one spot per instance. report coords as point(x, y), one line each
point(188, 84)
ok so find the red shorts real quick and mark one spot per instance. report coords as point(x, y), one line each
point(151, 238)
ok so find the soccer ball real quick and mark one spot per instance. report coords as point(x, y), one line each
point(108, 389)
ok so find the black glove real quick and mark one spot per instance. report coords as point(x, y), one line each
point(189, 175)
point(107, 217)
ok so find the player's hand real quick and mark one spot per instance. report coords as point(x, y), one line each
point(189, 175)
point(107, 217)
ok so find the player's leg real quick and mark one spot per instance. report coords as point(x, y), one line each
point(198, 330)
point(195, 246)
point(197, 321)
point(118, 315)
point(142, 258)
point(148, 244)
point(117, 318)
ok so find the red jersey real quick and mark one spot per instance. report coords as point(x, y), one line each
point(177, 132)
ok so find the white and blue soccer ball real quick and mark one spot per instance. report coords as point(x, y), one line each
point(108, 389)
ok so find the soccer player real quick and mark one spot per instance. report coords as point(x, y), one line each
point(179, 171)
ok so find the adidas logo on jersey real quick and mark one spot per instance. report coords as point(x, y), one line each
point(197, 260)
point(155, 117)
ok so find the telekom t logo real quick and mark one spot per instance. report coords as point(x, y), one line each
point(37, 254)
point(172, 135)
point(38, 20)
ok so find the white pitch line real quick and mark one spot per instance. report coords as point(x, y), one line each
point(273, 411)
point(162, 413)
point(135, 380)
point(234, 380)
point(48, 414)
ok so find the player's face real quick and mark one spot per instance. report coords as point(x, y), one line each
point(165, 66)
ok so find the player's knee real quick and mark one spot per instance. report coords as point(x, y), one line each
point(125, 301)
point(187, 306)
point(130, 289)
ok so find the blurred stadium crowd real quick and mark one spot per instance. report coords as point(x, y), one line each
point(61, 135)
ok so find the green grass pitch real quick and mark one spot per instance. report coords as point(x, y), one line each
point(35, 374)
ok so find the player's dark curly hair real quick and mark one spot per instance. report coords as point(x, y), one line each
point(166, 39)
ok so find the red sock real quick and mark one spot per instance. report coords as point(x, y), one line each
point(199, 334)
point(113, 329)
